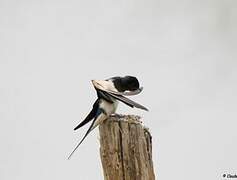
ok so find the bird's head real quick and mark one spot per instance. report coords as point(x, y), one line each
point(130, 83)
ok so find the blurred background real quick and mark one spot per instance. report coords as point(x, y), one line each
point(183, 52)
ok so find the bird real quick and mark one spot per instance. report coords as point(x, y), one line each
point(109, 92)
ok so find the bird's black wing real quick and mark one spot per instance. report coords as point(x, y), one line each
point(90, 116)
point(127, 101)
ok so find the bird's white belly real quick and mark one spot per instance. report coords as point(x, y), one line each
point(108, 107)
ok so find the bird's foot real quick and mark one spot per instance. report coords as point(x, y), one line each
point(117, 115)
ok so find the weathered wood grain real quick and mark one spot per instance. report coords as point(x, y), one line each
point(126, 149)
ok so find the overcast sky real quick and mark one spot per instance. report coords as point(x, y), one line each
point(183, 52)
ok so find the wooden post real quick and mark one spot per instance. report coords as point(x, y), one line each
point(126, 149)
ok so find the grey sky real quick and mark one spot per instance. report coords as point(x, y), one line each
point(183, 52)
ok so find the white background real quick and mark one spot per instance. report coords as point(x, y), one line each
point(183, 52)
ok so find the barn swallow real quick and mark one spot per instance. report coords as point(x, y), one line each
point(108, 92)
